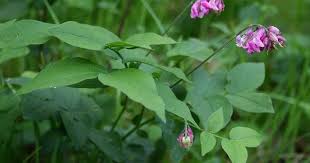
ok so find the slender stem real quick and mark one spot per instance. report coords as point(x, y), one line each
point(153, 15)
point(50, 10)
point(203, 62)
point(120, 56)
point(37, 141)
point(137, 127)
point(175, 20)
point(124, 17)
point(120, 114)
point(32, 154)
point(213, 54)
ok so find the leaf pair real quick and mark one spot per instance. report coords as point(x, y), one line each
point(136, 84)
point(235, 147)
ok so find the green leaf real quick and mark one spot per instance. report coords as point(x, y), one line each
point(137, 85)
point(109, 143)
point(78, 112)
point(214, 107)
point(204, 85)
point(170, 131)
point(43, 104)
point(83, 35)
point(236, 152)
point(9, 111)
point(173, 105)
point(142, 59)
point(8, 100)
point(191, 48)
point(251, 102)
point(207, 142)
point(23, 33)
point(7, 54)
point(246, 136)
point(62, 73)
point(143, 40)
point(7, 122)
point(76, 129)
point(245, 77)
point(216, 121)
point(205, 96)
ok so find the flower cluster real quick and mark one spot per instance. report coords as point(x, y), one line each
point(186, 138)
point(202, 7)
point(259, 39)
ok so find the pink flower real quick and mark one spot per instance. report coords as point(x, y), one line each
point(253, 41)
point(259, 39)
point(216, 5)
point(275, 38)
point(202, 7)
point(186, 138)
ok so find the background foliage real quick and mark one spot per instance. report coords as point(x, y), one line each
point(72, 124)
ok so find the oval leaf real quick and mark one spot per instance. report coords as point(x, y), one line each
point(216, 121)
point(174, 105)
point(62, 73)
point(142, 59)
point(246, 136)
point(251, 102)
point(207, 141)
point(235, 151)
point(137, 85)
point(191, 48)
point(245, 77)
point(23, 33)
point(143, 40)
point(83, 35)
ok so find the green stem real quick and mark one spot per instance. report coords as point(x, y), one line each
point(137, 127)
point(52, 13)
point(120, 114)
point(32, 154)
point(37, 140)
point(213, 54)
point(120, 56)
point(175, 20)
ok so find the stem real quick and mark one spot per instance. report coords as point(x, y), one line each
point(32, 154)
point(175, 20)
point(153, 15)
point(50, 10)
point(213, 54)
point(137, 127)
point(120, 114)
point(37, 141)
point(120, 56)
point(123, 18)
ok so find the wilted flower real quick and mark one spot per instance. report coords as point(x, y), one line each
point(186, 138)
point(202, 7)
point(258, 39)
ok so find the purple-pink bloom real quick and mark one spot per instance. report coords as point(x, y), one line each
point(275, 37)
point(186, 138)
point(202, 7)
point(253, 41)
point(258, 39)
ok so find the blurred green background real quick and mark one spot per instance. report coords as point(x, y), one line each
point(287, 134)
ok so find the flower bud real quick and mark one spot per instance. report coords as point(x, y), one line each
point(186, 138)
